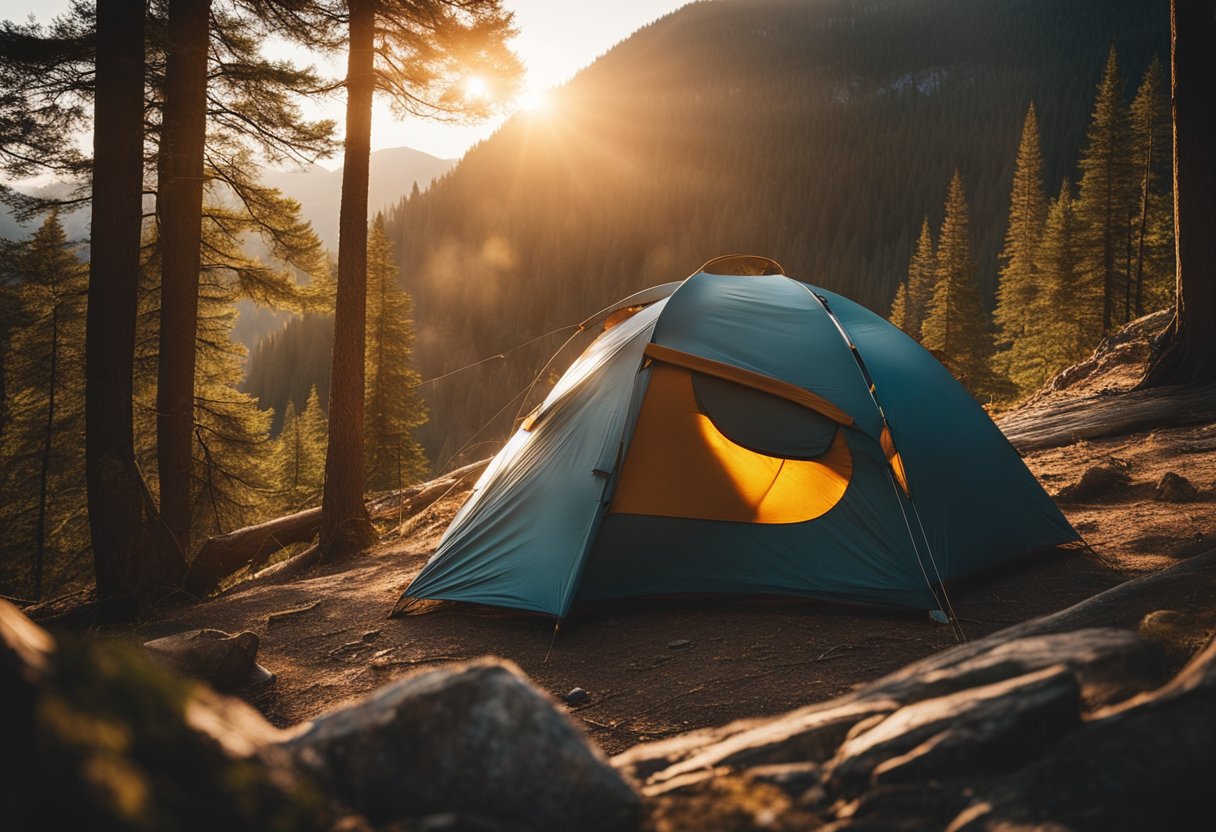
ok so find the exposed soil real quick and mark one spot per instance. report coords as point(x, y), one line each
point(659, 667)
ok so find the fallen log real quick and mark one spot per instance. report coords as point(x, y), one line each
point(252, 546)
point(1063, 422)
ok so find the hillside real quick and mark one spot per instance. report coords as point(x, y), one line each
point(817, 133)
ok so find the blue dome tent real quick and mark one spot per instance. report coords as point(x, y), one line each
point(740, 431)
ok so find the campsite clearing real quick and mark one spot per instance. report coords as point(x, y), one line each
point(746, 656)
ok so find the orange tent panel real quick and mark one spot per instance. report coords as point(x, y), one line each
point(680, 465)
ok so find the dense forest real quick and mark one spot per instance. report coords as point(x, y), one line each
point(821, 135)
point(125, 436)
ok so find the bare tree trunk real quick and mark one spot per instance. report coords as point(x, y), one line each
point(1186, 352)
point(126, 566)
point(179, 208)
point(345, 527)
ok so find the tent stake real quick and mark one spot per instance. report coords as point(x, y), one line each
point(556, 626)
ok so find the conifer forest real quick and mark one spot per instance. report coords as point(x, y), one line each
point(998, 183)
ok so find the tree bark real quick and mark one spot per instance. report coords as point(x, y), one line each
point(1186, 352)
point(345, 527)
point(179, 209)
point(126, 567)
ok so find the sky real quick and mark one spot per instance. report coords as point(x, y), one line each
point(556, 39)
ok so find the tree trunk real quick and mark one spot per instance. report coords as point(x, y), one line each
point(127, 569)
point(179, 208)
point(1186, 352)
point(345, 527)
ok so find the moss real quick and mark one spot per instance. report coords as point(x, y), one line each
point(110, 749)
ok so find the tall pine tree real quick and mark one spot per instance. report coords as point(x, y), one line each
point(1106, 201)
point(1151, 284)
point(393, 458)
point(955, 327)
point(1016, 290)
point(425, 51)
point(43, 443)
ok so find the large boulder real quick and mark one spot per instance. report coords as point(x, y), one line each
point(476, 739)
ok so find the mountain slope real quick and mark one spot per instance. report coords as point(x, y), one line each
point(816, 133)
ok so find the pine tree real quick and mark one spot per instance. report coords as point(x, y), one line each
point(1107, 195)
point(1027, 210)
point(43, 444)
point(1055, 336)
point(393, 458)
point(899, 306)
point(1150, 285)
point(955, 327)
point(422, 50)
point(301, 454)
point(128, 565)
point(913, 296)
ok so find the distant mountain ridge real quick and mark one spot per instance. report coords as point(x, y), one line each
point(394, 172)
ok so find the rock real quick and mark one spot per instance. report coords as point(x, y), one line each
point(795, 779)
point(991, 727)
point(224, 661)
point(1096, 481)
point(575, 696)
point(679, 644)
point(1145, 764)
point(475, 738)
point(99, 736)
point(1109, 664)
point(1174, 488)
point(802, 736)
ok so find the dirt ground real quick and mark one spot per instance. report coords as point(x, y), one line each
point(659, 667)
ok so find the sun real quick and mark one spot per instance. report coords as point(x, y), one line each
point(475, 87)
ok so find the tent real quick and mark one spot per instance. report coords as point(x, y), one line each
point(740, 431)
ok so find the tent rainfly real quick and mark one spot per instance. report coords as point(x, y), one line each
point(740, 431)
